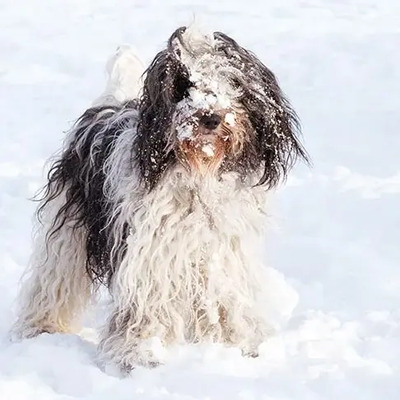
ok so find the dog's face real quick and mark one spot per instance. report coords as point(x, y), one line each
point(207, 130)
point(213, 106)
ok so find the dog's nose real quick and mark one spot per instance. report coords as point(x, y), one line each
point(210, 121)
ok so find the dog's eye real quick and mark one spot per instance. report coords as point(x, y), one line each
point(181, 88)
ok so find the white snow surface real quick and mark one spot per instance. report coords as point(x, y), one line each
point(230, 118)
point(208, 150)
point(335, 228)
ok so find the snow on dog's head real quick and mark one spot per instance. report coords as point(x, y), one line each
point(213, 106)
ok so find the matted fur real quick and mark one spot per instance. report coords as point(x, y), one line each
point(57, 289)
point(189, 273)
point(163, 199)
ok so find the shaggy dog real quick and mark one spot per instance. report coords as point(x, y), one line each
point(160, 196)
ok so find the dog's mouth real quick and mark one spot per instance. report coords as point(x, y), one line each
point(204, 140)
point(203, 155)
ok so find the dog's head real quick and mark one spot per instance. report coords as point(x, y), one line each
point(213, 106)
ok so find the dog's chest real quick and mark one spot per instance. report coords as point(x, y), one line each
point(200, 226)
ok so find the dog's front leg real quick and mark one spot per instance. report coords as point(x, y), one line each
point(136, 331)
point(127, 342)
point(246, 331)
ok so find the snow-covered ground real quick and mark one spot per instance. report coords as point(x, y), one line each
point(336, 227)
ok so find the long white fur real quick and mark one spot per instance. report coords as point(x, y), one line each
point(190, 272)
point(191, 269)
point(56, 288)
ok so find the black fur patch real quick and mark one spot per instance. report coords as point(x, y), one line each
point(276, 124)
point(80, 173)
point(167, 82)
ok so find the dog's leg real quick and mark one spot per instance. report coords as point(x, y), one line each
point(125, 71)
point(128, 347)
point(56, 288)
point(247, 333)
point(143, 320)
point(242, 320)
point(132, 338)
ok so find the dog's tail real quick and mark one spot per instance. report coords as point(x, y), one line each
point(125, 81)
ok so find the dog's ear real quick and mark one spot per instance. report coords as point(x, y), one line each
point(167, 79)
point(166, 83)
point(277, 128)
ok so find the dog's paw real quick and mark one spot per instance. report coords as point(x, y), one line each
point(254, 353)
point(126, 368)
point(149, 353)
point(21, 332)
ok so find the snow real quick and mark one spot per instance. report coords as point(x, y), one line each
point(208, 150)
point(230, 118)
point(199, 100)
point(207, 70)
point(185, 131)
point(334, 232)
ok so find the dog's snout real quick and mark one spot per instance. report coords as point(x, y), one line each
point(210, 121)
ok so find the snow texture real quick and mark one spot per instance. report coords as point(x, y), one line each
point(334, 233)
point(230, 118)
point(207, 71)
point(208, 150)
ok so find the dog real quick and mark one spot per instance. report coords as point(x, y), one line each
point(160, 193)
